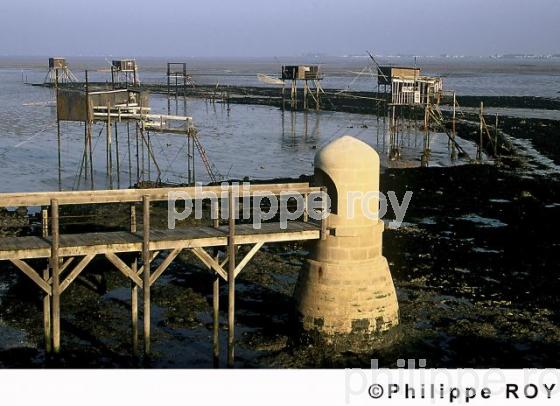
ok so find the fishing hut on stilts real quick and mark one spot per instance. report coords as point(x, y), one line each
point(124, 72)
point(114, 108)
point(308, 74)
point(407, 93)
point(59, 72)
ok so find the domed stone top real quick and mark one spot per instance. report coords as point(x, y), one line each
point(349, 168)
point(346, 152)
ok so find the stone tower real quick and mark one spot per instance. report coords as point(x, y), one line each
point(346, 295)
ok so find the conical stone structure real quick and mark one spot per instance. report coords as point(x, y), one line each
point(346, 295)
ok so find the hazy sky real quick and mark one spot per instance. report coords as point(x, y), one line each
point(278, 27)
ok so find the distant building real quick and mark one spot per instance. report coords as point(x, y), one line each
point(125, 71)
point(407, 87)
point(301, 72)
point(59, 71)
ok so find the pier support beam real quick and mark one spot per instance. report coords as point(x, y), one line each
point(134, 288)
point(216, 322)
point(47, 297)
point(146, 275)
point(216, 297)
point(231, 280)
point(55, 263)
point(109, 150)
point(305, 89)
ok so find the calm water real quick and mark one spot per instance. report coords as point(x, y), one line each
point(256, 141)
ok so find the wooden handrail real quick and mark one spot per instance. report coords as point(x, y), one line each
point(32, 199)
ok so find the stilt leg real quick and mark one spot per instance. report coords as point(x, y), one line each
point(47, 315)
point(134, 288)
point(46, 299)
point(216, 314)
point(55, 277)
point(146, 274)
point(231, 282)
point(134, 312)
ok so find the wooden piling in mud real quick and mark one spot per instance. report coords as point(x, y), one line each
point(55, 264)
point(46, 298)
point(134, 287)
point(146, 272)
point(496, 136)
point(216, 299)
point(318, 99)
point(305, 89)
point(117, 152)
point(216, 321)
point(88, 135)
point(454, 127)
point(109, 151)
point(479, 150)
point(58, 139)
point(231, 279)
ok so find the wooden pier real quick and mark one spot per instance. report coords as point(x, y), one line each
point(68, 255)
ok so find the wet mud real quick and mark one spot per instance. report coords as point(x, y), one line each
point(475, 264)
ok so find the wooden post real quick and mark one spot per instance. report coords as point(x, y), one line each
point(216, 300)
point(117, 151)
point(216, 320)
point(149, 147)
point(109, 150)
point(90, 148)
point(305, 95)
point(58, 140)
point(46, 298)
point(88, 135)
point(295, 95)
point(454, 125)
point(292, 94)
point(425, 153)
point(318, 101)
point(55, 242)
point(193, 168)
point(231, 280)
point(189, 141)
point(146, 273)
point(496, 137)
point(168, 89)
point(479, 152)
point(134, 287)
point(176, 89)
point(129, 154)
point(137, 156)
point(142, 144)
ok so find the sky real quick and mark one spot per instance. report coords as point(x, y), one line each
point(265, 28)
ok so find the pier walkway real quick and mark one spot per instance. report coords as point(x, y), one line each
point(67, 255)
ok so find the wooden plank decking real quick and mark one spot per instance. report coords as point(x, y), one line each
point(31, 247)
point(69, 254)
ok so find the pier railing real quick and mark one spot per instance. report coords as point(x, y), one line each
point(62, 249)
